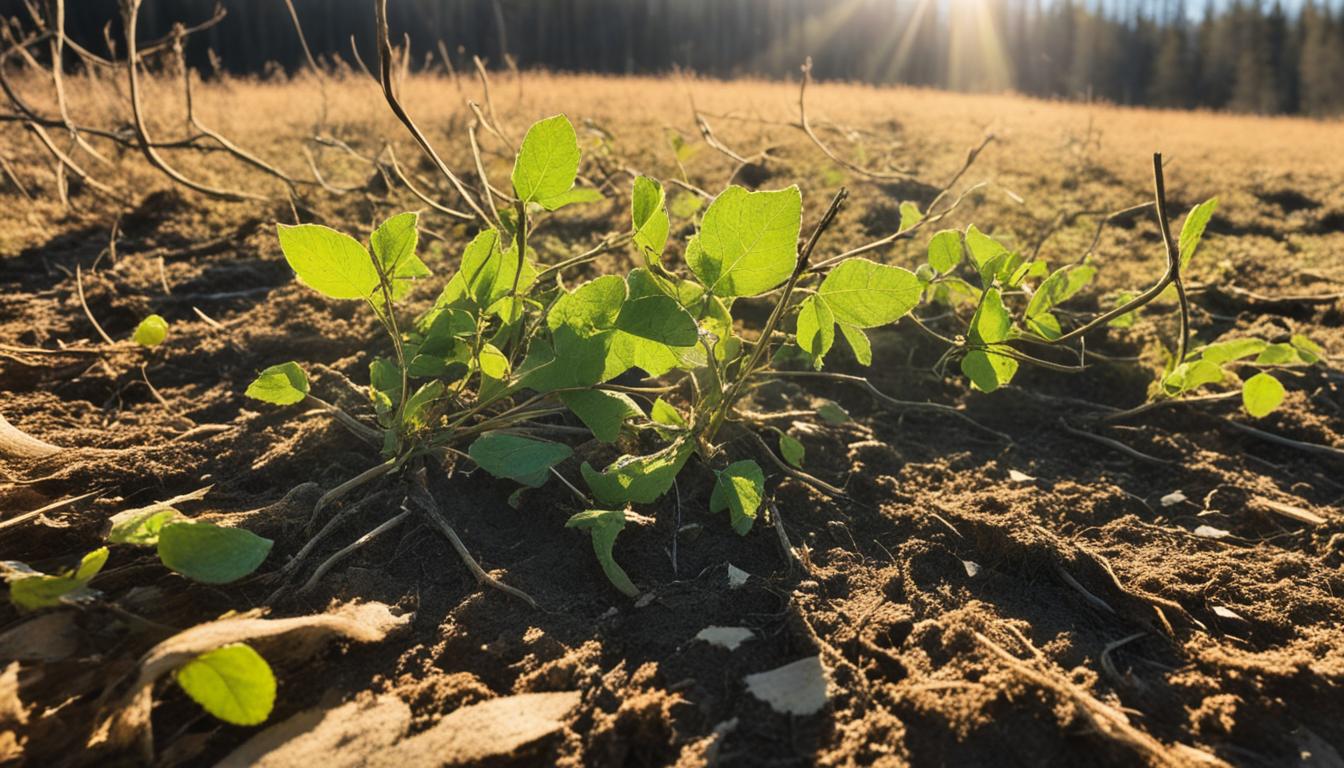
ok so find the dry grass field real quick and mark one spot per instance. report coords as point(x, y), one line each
point(1048, 599)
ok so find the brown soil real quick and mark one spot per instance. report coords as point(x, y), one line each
point(964, 618)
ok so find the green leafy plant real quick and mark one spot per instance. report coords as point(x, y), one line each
point(202, 552)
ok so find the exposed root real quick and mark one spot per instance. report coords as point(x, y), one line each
point(1106, 720)
point(1112, 443)
point(341, 554)
point(420, 494)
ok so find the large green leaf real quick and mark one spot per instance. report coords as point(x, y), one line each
point(604, 525)
point(739, 489)
point(602, 411)
point(332, 263)
point(547, 162)
point(866, 294)
point(1192, 230)
point(992, 322)
point(283, 384)
point(1233, 349)
point(517, 458)
point(233, 683)
point(748, 241)
point(1192, 375)
point(211, 554)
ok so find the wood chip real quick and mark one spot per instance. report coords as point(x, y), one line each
point(725, 637)
point(799, 688)
point(1297, 514)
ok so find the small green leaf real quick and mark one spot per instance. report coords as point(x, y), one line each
point(989, 368)
point(604, 525)
point(1233, 349)
point(517, 458)
point(1307, 349)
point(748, 241)
point(233, 683)
point(739, 489)
point(575, 196)
point(283, 384)
point(602, 411)
point(945, 251)
point(330, 262)
point(1192, 375)
point(547, 162)
point(858, 342)
point(493, 362)
point(33, 590)
point(664, 413)
point(141, 527)
point(394, 244)
point(151, 331)
point(211, 554)
point(1281, 354)
point(866, 294)
point(910, 215)
point(638, 479)
point(792, 450)
point(816, 328)
point(831, 412)
point(984, 249)
point(1192, 231)
point(417, 405)
point(992, 322)
point(1261, 394)
point(648, 212)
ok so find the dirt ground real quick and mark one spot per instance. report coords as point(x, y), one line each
point(1077, 613)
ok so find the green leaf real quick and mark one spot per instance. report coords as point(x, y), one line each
point(1060, 286)
point(1281, 354)
point(547, 162)
point(1233, 349)
point(652, 331)
point(1192, 375)
point(910, 215)
point(816, 328)
point(866, 294)
point(792, 450)
point(330, 262)
point(992, 322)
point(604, 525)
point(233, 683)
point(394, 244)
point(1261, 394)
point(575, 196)
point(739, 489)
point(492, 362)
point(831, 412)
point(417, 405)
point(748, 241)
point(151, 331)
point(638, 479)
point(988, 369)
point(945, 251)
point(664, 413)
point(1192, 231)
point(40, 590)
point(283, 384)
point(591, 308)
point(1308, 350)
point(211, 554)
point(602, 411)
point(648, 212)
point(984, 249)
point(858, 342)
point(141, 527)
point(517, 458)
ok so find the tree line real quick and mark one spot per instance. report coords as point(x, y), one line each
point(1246, 55)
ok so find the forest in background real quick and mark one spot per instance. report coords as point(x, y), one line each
point(1242, 56)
